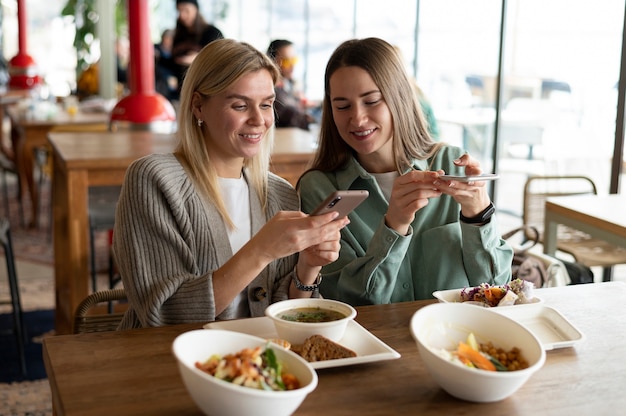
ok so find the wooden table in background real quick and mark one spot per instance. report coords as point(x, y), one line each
point(89, 159)
point(33, 133)
point(134, 372)
point(602, 217)
point(294, 149)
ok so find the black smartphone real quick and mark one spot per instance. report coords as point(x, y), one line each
point(341, 201)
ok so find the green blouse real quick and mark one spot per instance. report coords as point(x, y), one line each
point(377, 265)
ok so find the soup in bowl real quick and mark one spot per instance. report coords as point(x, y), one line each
point(296, 320)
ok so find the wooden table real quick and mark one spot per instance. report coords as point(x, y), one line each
point(602, 217)
point(89, 159)
point(33, 133)
point(134, 372)
point(293, 151)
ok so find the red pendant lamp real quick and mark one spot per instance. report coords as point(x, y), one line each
point(23, 71)
point(143, 108)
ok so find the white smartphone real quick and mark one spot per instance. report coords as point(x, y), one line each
point(341, 201)
point(471, 178)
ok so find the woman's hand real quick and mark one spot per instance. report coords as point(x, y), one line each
point(410, 193)
point(289, 232)
point(472, 196)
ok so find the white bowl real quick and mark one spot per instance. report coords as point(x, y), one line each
point(444, 325)
point(297, 332)
point(454, 295)
point(218, 397)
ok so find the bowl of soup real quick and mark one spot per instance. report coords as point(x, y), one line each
point(296, 320)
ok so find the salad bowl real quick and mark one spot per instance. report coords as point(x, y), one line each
point(215, 396)
point(439, 328)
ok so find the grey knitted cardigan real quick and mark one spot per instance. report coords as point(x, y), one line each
point(168, 241)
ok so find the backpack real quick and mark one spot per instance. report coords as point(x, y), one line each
point(540, 269)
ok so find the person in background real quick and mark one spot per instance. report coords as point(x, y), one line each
point(415, 233)
point(427, 109)
point(122, 57)
point(166, 82)
point(429, 114)
point(207, 232)
point(291, 104)
point(192, 33)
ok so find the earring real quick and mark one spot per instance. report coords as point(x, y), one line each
point(199, 123)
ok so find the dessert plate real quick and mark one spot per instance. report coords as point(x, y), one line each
point(368, 348)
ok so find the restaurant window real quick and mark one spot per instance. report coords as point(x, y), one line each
point(558, 99)
point(560, 67)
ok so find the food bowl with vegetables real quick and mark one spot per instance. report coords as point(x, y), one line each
point(475, 354)
point(231, 373)
point(296, 320)
point(516, 292)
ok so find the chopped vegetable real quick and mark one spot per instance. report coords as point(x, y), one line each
point(478, 360)
point(517, 291)
point(251, 367)
point(485, 356)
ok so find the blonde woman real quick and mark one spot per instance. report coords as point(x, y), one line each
point(207, 232)
point(415, 233)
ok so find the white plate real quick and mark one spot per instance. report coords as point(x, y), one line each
point(368, 348)
point(552, 328)
point(454, 295)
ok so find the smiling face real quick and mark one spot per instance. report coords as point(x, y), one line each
point(236, 120)
point(362, 117)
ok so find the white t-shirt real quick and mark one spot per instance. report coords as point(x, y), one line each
point(237, 200)
point(385, 181)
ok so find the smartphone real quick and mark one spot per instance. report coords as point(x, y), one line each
point(471, 178)
point(341, 201)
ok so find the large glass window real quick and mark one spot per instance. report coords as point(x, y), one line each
point(560, 68)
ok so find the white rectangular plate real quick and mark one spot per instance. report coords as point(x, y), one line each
point(454, 295)
point(368, 348)
point(552, 328)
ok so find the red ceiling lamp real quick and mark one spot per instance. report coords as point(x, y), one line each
point(143, 108)
point(23, 71)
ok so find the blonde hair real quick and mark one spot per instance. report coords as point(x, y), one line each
point(219, 65)
point(382, 62)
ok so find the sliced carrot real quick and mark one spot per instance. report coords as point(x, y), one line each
point(475, 357)
point(494, 295)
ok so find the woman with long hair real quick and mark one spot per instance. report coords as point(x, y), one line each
point(416, 233)
point(207, 232)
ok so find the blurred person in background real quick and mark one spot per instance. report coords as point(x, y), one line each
point(166, 82)
point(291, 106)
point(192, 33)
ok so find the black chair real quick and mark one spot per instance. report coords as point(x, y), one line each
point(7, 167)
point(18, 321)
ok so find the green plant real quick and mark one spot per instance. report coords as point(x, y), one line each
point(86, 18)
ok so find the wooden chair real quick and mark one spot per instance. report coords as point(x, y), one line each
point(585, 250)
point(92, 315)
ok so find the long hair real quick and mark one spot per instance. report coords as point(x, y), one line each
point(183, 33)
point(219, 65)
point(382, 62)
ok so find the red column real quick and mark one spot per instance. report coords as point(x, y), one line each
point(22, 67)
point(143, 107)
